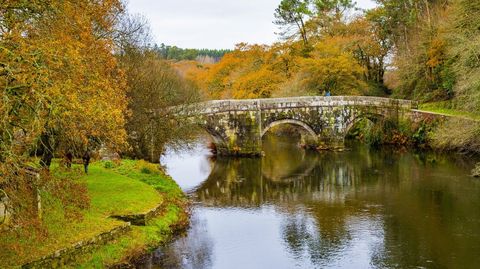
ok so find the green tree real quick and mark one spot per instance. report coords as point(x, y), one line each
point(293, 14)
point(464, 48)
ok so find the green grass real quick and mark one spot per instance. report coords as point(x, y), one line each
point(139, 240)
point(154, 177)
point(124, 189)
point(115, 194)
point(446, 108)
point(156, 232)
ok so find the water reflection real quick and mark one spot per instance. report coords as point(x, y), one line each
point(361, 208)
point(189, 167)
point(193, 251)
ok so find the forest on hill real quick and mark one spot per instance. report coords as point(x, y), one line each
point(178, 54)
point(423, 50)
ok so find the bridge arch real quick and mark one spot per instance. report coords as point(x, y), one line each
point(216, 135)
point(372, 117)
point(302, 124)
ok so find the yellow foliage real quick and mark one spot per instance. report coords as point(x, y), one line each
point(436, 52)
point(257, 84)
point(332, 70)
point(255, 71)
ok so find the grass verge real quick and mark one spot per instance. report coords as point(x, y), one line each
point(446, 108)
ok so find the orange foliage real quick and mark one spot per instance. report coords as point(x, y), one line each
point(60, 74)
point(255, 71)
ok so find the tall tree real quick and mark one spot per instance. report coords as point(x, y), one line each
point(334, 8)
point(154, 86)
point(293, 14)
point(464, 48)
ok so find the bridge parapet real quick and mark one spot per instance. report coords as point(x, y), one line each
point(219, 106)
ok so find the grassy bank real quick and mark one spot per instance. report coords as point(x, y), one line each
point(447, 108)
point(460, 132)
point(123, 188)
point(157, 231)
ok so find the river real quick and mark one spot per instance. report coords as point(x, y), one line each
point(361, 208)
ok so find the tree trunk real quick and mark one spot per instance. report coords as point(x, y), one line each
point(48, 149)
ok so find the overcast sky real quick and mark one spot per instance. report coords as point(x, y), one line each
point(213, 24)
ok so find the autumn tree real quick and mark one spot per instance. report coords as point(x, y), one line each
point(154, 86)
point(368, 39)
point(463, 52)
point(417, 30)
point(332, 70)
point(62, 90)
point(66, 70)
point(87, 93)
point(261, 83)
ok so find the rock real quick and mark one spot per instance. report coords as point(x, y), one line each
point(476, 171)
point(106, 154)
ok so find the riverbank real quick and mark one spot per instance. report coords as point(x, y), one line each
point(92, 238)
point(446, 108)
point(158, 229)
point(458, 132)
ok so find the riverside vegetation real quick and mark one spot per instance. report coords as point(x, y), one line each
point(71, 81)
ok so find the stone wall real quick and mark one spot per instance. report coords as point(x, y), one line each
point(68, 255)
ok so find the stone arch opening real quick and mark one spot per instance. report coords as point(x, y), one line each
point(217, 140)
point(302, 132)
point(369, 118)
point(301, 124)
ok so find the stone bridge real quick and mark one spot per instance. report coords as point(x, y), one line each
point(237, 126)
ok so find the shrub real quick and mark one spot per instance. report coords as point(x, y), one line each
point(109, 165)
point(393, 132)
point(148, 168)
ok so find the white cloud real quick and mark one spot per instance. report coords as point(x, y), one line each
point(212, 23)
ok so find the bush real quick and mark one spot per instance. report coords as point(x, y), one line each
point(112, 164)
point(393, 132)
point(109, 165)
point(148, 168)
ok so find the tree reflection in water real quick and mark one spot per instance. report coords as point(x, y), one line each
point(361, 208)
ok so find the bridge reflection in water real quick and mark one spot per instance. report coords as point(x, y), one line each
point(361, 208)
point(285, 174)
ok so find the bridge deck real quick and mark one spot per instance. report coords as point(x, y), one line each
point(217, 106)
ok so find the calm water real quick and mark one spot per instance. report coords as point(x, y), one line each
point(361, 208)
